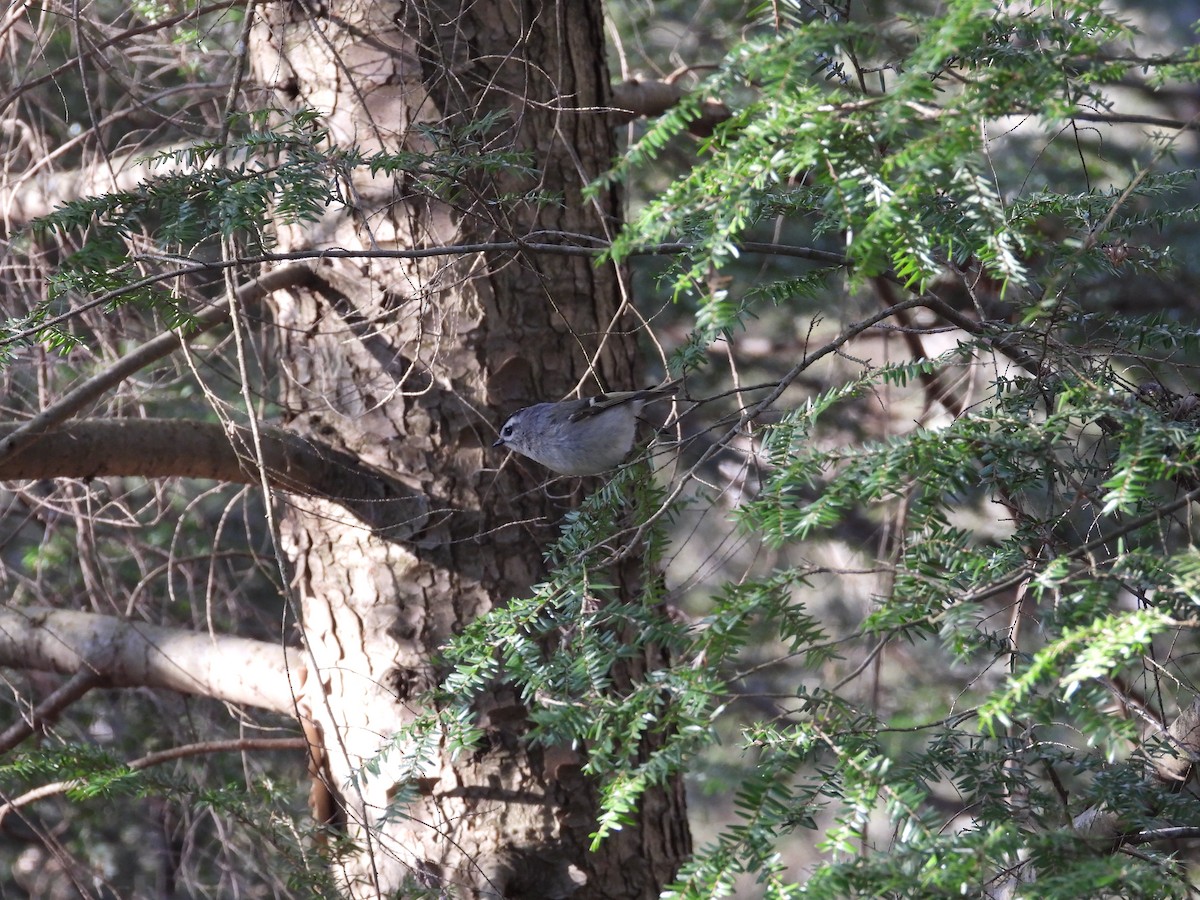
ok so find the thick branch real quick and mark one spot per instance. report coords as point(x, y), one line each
point(160, 448)
point(135, 654)
point(638, 98)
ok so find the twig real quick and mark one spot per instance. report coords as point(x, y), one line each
point(753, 412)
point(48, 710)
point(156, 759)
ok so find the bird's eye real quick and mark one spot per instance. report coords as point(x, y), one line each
point(506, 432)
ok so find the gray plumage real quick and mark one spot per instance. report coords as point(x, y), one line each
point(580, 437)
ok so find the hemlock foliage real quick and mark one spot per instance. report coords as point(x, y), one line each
point(1033, 547)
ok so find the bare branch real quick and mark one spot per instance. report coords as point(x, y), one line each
point(136, 654)
point(49, 709)
point(112, 40)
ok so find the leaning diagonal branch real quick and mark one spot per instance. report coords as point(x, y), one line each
point(151, 351)
point(49, 709)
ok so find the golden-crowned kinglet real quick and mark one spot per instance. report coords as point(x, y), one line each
point(580, 437)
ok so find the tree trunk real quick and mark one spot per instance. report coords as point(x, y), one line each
point(411, 365)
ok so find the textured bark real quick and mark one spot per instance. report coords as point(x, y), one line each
point(409, 365)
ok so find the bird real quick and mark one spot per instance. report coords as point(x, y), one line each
point(580, 437)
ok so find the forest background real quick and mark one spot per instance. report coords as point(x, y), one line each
point(897, 598)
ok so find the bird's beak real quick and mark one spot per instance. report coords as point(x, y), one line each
point(499, 442)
